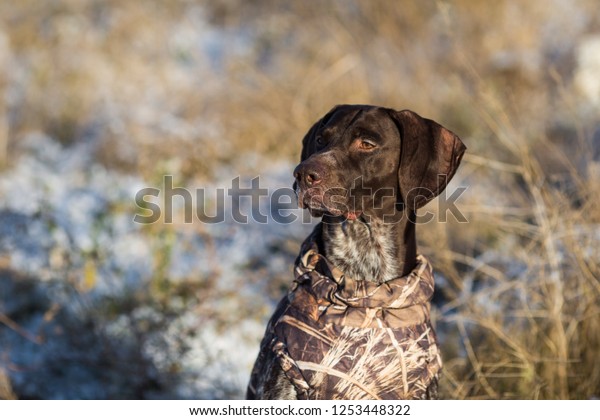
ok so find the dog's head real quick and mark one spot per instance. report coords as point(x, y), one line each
point(365, 159)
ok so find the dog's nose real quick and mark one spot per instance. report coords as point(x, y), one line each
point(312, 177)
point(307, 175)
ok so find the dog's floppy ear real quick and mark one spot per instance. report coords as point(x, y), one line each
point(429, 157)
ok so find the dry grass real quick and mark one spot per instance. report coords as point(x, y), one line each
point(521, 315)
point(528, 316)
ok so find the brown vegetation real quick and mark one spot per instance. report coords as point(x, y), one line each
point(202, 89)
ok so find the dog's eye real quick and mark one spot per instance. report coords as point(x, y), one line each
point(320, 141)
point(365, 144)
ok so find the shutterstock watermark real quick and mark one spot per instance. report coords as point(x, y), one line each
point(245, 203)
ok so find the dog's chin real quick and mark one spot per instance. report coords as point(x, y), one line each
point(324, 211)
point(315, 204)
point(333, 212)
point(318, 209)
point(346, 215)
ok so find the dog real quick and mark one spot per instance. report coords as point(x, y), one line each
point(355, 323)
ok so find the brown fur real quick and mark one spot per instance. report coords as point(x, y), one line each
point(365, 234)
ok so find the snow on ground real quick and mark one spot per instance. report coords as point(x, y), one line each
point(109, 308)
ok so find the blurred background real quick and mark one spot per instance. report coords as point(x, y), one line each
point(99, 99)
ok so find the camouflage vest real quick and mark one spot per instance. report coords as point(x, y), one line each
point(339, 338)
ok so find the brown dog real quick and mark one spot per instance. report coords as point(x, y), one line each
point(355, 324)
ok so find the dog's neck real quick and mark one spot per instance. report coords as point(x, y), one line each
point(373, 250)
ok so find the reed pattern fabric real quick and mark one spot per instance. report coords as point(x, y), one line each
point(341, 338)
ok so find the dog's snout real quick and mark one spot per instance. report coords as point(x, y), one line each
point(308, 175)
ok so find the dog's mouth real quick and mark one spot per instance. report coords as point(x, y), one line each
point(319, 203)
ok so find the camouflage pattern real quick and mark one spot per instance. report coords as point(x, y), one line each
point(341, 338)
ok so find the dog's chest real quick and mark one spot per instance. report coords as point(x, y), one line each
point(362, 251)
